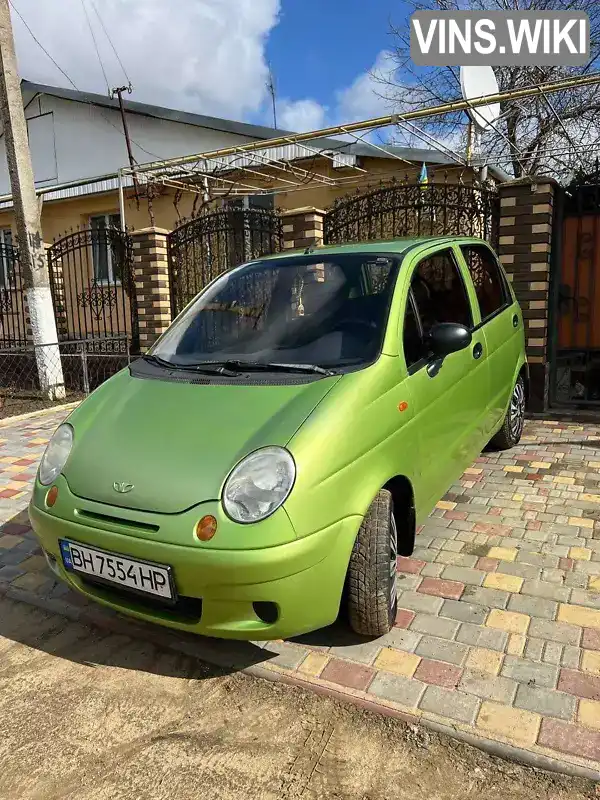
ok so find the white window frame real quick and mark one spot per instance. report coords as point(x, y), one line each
point(109, 256)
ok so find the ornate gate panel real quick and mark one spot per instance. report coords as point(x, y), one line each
point(576, 346)
point(413, 209)
point(93, 291)
point(215, 242)
point(13, 314)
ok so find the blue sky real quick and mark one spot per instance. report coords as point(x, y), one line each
point(324, 51)
point(319, 47)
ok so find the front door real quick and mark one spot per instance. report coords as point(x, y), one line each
point(450, 406)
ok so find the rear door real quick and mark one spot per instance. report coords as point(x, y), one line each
point(501, 322)
point(451, 404)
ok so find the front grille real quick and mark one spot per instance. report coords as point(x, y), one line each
point(121, 521)
point(184, 609)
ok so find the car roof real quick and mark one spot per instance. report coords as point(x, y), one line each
point(388, 246)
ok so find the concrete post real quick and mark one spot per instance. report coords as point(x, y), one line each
point(32, 256)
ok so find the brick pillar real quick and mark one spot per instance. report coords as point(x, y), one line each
point(302, 227)
point(151, 277)
point(526, 223)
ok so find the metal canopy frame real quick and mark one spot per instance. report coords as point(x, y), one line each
point(280, 155)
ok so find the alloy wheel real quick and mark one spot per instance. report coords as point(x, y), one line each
point(393, 563)
point(517, 411)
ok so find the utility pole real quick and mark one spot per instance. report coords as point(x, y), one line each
point(119, 92)
point(32, 255)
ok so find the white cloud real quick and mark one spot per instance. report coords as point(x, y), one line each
point(359, 100)
point(301, 115)
point(205, 56)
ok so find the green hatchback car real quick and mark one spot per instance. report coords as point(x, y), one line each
point(262, 466)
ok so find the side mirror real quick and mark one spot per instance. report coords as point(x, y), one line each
point(448, 337)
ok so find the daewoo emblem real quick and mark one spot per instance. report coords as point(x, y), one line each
point(122, 488)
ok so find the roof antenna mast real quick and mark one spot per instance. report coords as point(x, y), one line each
point(272, 92)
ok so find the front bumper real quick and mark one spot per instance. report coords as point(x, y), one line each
point(303, 578)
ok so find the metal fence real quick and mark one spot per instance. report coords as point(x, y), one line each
point(214, 242)
point(91, 280)
point(84, 364)
point(13, 313)
point(409, 208)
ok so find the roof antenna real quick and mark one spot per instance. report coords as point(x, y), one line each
point(271, 90)
point(310, 249)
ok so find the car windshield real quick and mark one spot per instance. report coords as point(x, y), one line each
point(312, 310)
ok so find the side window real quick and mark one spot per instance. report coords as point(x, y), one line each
point(439, 292)
point(489, 284)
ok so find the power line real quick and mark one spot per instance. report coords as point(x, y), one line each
point(114, 49)
point(74, 85)
point(37, 41)
point(85, 11)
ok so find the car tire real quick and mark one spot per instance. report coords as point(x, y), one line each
point(372, 594)
point(509, 434)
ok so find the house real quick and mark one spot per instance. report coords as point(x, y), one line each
point(78, 145)
point(78, 148)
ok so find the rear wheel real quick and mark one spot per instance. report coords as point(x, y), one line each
point(509, 434)
point(372, 594)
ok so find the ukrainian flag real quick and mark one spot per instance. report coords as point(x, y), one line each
point(423, 179)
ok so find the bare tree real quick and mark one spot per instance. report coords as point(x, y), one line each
point(532, 136)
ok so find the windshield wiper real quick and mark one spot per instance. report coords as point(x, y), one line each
point(232, 367)
point(269, 366)
point(198, 366)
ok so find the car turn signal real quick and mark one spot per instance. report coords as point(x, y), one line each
point(206, 528)
point(52, 496)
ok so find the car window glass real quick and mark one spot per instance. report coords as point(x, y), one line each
point(439, 292)
point(487, 279)
point(305, 310)
point(411, 336)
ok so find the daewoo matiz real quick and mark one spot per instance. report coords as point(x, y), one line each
point(262, 466)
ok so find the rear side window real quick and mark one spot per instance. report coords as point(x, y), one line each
point(490, 287)
point(440, 292)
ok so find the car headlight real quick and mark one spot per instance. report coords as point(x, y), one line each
point(259, 484)
point(56, 454)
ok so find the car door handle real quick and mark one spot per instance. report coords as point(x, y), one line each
point(478, 350)
point(515, 321)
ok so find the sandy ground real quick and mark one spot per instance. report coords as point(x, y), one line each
point(89, 715)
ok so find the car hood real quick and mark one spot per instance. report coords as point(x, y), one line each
point(176, 442)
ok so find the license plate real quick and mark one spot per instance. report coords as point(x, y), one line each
point(138, 576)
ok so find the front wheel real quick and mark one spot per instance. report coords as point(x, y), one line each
point(509, 434)
point(372, 592)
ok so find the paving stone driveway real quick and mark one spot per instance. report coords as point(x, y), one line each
point(498, 628)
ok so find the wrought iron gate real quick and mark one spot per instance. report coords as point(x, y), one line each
point(414, 209)
point(575, 367)
point(215, 242)
point(93, 291)
point(13, 316)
